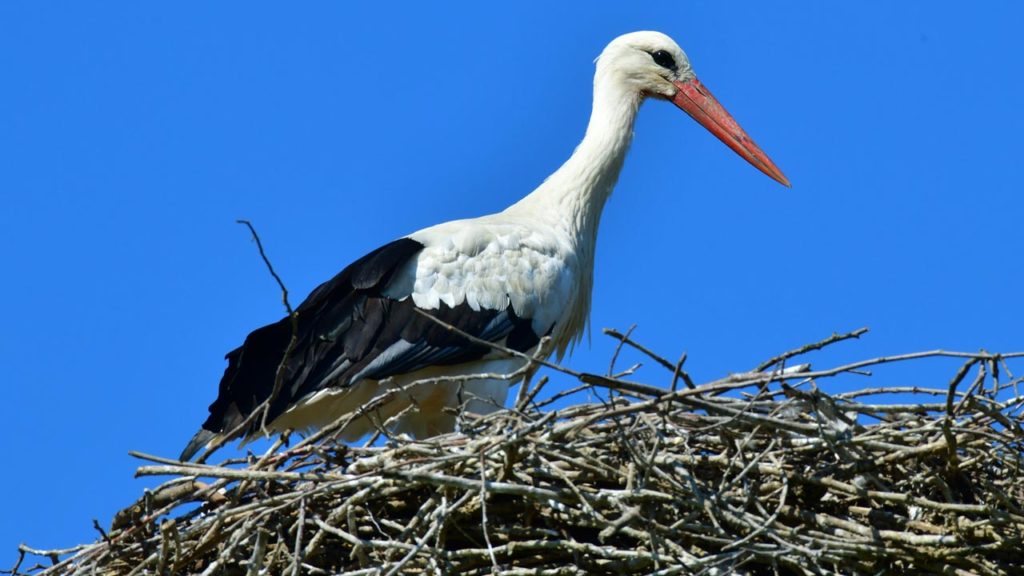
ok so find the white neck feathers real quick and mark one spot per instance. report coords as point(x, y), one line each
point(574, 195)
point(571, 199)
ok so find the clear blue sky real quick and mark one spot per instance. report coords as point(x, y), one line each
point(132, 136)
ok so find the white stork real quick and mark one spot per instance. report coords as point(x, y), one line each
point(509, 278)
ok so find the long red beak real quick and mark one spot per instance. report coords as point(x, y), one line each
point(697, 101)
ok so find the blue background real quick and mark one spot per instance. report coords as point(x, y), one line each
point(133, 135)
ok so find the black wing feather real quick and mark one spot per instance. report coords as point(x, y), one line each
point(345, 325)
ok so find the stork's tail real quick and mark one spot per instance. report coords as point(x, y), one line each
point(202, 439)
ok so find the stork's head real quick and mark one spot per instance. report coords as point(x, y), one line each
point(650, 64)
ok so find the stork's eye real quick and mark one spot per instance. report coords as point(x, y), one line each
point(663, 59)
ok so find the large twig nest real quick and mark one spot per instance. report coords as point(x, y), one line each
point(773, 477)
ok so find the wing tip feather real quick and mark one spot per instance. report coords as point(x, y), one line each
point(201, 439)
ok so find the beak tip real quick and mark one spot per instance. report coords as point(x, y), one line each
point(776, 174)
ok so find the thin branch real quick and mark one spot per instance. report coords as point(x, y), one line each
point(809, 348)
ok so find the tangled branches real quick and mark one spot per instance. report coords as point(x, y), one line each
point(775, 477)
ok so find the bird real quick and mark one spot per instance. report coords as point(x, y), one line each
point(418, 313)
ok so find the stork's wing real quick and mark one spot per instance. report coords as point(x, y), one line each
point(349, 330)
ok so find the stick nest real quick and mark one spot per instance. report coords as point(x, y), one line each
point(760, 472)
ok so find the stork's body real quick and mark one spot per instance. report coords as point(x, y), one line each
point(509, 278)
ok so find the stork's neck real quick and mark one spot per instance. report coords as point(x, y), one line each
point(574, 195)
